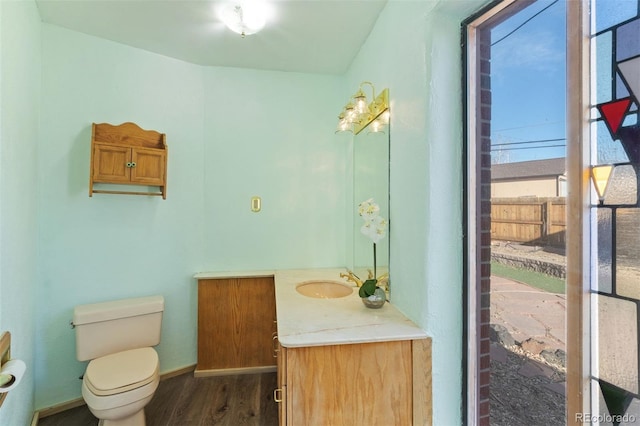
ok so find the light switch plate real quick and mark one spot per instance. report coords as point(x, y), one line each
point(256, 204)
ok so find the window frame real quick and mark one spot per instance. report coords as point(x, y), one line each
point(578, 228)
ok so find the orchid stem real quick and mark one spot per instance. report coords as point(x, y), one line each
point(374, 261)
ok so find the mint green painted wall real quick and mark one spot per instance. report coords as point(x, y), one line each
point(232, 134)
point(114, 246)
point(414, 50)
point(19, 99)
point(270, 134)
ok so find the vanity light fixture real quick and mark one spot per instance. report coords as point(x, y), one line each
point(360, 113)
point(600, 176)
point(244, 18)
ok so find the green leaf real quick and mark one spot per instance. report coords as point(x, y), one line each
point(368, 287)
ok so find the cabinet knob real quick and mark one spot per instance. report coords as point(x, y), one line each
point(277, 395)
point(131, 164)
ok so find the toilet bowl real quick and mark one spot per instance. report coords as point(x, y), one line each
point(123, 372)
point(117, 387)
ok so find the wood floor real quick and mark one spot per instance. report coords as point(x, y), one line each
point(184, 400)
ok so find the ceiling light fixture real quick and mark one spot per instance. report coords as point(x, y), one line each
point(244, 18)
point(359, 113)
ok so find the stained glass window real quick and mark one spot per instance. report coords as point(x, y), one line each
point(615, 230)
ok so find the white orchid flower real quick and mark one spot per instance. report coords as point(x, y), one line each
point(368, 209)
point(380, 228)
point(374, 225)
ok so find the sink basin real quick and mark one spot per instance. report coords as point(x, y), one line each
point(324, 289)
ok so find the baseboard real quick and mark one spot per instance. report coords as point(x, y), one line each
point(59, 408)
point(177, 372)
point(232, 371)
point(68, 405)
point(35, 419)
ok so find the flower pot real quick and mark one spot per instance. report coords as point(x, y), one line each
point(376, 300)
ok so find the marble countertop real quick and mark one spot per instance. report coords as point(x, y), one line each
point(234, 274)
point(308, 321)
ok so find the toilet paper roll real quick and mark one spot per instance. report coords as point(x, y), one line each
point(11, 374)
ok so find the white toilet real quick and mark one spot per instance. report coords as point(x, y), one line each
point(123, 372)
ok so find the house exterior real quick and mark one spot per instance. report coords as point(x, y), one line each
point(535, 178)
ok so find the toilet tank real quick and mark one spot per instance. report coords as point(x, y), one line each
point(110, 327)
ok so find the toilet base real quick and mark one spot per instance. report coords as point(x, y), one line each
point(137, 419)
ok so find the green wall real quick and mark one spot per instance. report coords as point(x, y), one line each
point(108, 246)
point(414, 50)
point(19, 99)
point(232, 134)
point(270, 134)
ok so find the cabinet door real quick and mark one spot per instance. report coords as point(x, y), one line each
point(364, 384)
point(110, 163)
point(149, 166)
point(235, 323)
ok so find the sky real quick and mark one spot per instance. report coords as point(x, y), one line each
point(528, 84)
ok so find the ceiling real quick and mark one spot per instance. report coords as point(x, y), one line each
point(311, 36)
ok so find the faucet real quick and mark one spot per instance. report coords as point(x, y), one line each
point(383, 281)
point(350, 276)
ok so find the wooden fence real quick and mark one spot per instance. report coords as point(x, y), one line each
point(540, 221)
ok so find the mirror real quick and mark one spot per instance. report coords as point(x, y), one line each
point(370, 180)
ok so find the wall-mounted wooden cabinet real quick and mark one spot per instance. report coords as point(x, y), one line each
point(127, 155)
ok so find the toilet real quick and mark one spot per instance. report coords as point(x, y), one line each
point(117, 339)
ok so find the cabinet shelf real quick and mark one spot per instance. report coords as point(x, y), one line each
point(128, 155)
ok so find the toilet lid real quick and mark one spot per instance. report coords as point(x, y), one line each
point(122, 371)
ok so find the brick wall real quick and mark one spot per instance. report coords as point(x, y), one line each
point(485, 227)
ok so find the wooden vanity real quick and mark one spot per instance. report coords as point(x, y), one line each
point(339, 362)
point(380, 383)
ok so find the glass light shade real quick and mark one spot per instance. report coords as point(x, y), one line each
point(376, 126)
point(384, 117)
point(245, 19)
point(350, 113)
point(360, 102)
point(343, 124)
point(600, 176)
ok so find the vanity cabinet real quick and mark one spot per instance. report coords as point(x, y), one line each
point(378, 383)
point(127, 155)
point(236, 326)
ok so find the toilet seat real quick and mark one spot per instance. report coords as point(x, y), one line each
point(122, 371)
